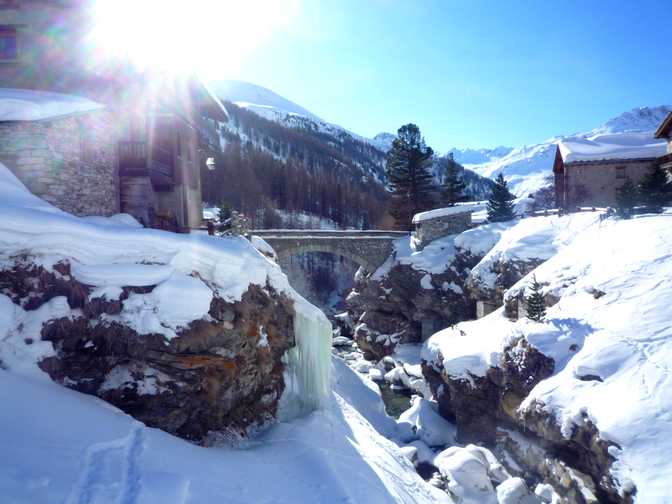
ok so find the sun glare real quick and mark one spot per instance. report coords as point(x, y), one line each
point(210, 37)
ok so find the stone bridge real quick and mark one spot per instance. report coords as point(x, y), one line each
point(368, 249)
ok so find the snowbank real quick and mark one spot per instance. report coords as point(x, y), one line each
point(609, 334)
point(530, 239)
point(135, 256)
point(434, 258)
point(29, 105)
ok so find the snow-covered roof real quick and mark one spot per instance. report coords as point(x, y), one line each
point(30, 105)
point(611, 146)
point(459, 208)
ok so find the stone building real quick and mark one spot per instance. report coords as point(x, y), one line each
point(588, 171)
point(157, 131)
point(62, 148)
point(664, 132)
point(433, 224)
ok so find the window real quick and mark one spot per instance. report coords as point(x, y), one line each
point(8, 46)
point(620, 172)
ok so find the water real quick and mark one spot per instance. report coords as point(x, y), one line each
point(396, 401)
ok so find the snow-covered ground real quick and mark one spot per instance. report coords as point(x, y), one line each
point(62, 446)
point(609, 334)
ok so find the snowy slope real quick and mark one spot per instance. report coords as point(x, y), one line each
point(260, 100)
point(319, 137)
point(63, 446)
point(609, 334)
point(527, 168)
point(478, 156)
point(274, 107)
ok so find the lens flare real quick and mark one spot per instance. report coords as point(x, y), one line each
point(209, 37)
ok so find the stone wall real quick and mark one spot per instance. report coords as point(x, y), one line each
point(70, 161)
point(589, 184)
point(429, 230)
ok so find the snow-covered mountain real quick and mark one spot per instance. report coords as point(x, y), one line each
point(478, 156)
point(528, 168)
point(319, 138)
point(383, 141)
point(369, 154)
point(260, 100)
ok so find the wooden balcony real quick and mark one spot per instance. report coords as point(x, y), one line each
point(157, 163)
point(132, 158)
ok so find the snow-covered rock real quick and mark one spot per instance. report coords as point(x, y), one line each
point(607, 335)
point(426, 423)
point(515, 491)
point(155, 322)
point(470, 473)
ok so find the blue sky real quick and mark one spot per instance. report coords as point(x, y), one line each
point(469, 73)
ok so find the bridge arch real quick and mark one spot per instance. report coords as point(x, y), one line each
point(368, 249)
point(359, 259)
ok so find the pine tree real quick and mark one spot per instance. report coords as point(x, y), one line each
point(500, 204)
point(453, 186)
point(536, 307)
point(627, 197)
point(224, 211)
point(655, 188)
point(411, 181)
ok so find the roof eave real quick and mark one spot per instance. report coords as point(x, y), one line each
point(664, 128)
point(216, 107)
point(610, 160)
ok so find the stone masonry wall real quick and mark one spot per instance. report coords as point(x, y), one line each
point(71, 162)
point(596, 184)
point(431, 229)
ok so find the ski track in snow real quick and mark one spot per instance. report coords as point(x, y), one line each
point(112, 473)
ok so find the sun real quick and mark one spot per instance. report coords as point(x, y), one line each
point(209, 37)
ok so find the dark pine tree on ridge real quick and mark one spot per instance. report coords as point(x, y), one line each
point(500, 204)
point(453, 186)
point(411, 181)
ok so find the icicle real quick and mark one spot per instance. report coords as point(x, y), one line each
point(308, 363)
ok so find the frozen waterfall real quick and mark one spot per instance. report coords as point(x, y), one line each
point(308, 363)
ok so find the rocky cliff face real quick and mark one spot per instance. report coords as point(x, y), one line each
point(486, 409)
point(407, 304)
point(220, 373)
